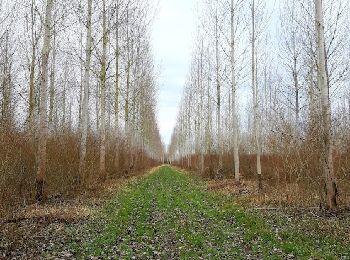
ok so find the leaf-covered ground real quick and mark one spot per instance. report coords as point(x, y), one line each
point(171, 215)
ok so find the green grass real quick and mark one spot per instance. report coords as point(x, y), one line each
point(170, 215)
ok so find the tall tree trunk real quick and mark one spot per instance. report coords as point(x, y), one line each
point(127, 94)
point(97, 106)
point(208, 134)
point(326, 128)
point(31, 102)
point(81, 91)
point(218, 94)
point(234, 87)
point(52, 84)
point(64, 99)
point(6, 113)
point(116, 102)
point(202, 93)
point(296, 89)
point(255, 101)
point(103, 94)
point(85, 87)
point(43, 127)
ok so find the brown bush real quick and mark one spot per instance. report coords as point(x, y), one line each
point(18, 167)
point(293, 177)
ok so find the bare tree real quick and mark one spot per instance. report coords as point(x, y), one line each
point(323, 84)
point(256, 118)
point(43, 128)
point(235, 125)
point(34, 42)
point(117, 80)
point(103, 92)
point(85, 87)
point(218, 91)
point(6, 84)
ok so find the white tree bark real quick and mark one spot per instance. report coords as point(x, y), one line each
point(103, 93)
point(218, 94)
point(85, 87)
point(31, 101)
point(116, 105)
point(52, 84)
point(326, 135)
point(43, 127)
point(6, 113)
point(255, 100)
point(201, 118)
point(234, 87)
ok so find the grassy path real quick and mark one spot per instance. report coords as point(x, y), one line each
point(169, 215)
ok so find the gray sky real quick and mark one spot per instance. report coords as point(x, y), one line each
point(172, 43)
point(173, 38)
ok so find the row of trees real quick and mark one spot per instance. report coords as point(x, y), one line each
point(252, 90)
point(83, 69)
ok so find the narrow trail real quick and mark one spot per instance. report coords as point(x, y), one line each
point(168, 216)
point(172, 215)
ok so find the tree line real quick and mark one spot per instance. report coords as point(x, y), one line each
point(78, 93)
point(269, 85)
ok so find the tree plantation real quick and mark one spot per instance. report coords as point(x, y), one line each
point(78, 95)
point(258, 163)
point(273, 110)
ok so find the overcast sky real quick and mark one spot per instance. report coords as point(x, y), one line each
point(173, 38)
point(172, 43)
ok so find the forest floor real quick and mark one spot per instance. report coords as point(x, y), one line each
point(168, 214)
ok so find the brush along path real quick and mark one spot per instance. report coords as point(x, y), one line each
point(169, 215)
